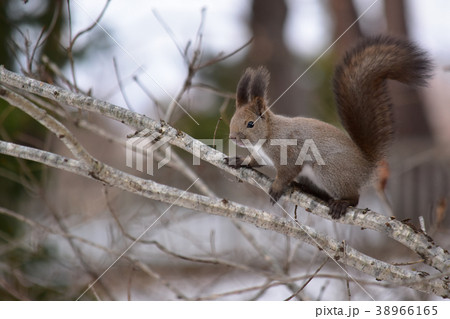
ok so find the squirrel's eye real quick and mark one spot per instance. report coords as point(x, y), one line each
point(250, 124)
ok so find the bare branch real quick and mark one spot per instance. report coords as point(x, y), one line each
point(143, 267)
point(171, 35)
point(147, 188)
point(149, 94)
point(422, 244)
point(308, 281)
point(57, 71)
point(80, 33)
point(41, 39)
point(224, 57)
point(281, 282)
point(90, 27)
point(119, 82)
point(49, 122)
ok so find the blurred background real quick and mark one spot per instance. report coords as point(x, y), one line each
point(141, 55)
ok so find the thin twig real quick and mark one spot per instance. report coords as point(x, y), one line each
point(266, 286)
point(57, 71)
point(150, 189)
point(150, 96)
point(322, 290)
point(308, 281)
point(167, 251)
point(216, 91)
point(50, 123)
point(119, 82)
point(262, 291)
point(347, 280)
point(143, 267)
point(401, 232)
point(41, 40)
point(171, 35)
point(215, 132)
point(129, 284)
point(90, 27)
point(79, 34)
point(224, 57)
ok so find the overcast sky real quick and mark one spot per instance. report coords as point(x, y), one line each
point(139, 40)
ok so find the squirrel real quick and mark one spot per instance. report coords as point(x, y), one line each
point(349, 159)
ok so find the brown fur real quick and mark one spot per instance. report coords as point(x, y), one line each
point(360, 91)
point(365, 111)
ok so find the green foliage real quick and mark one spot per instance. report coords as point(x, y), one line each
point(206, 128)
point(323, 98)
point(21, 267)
point(20, 128)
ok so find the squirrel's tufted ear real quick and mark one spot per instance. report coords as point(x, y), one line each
point(242, 92)
point(258, 88)
point(260, 81)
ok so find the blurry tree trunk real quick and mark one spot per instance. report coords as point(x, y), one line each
point(410, 115)
point(421, 197)
point(267, 23)
point(344, 14)
point(6, 29)
point(395, 17)
point(412, 128)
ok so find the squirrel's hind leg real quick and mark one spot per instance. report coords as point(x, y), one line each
point(305, 185)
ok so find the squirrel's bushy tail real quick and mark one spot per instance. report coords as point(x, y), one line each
point(359, 86)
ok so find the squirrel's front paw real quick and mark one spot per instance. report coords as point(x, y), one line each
point(235, 162)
